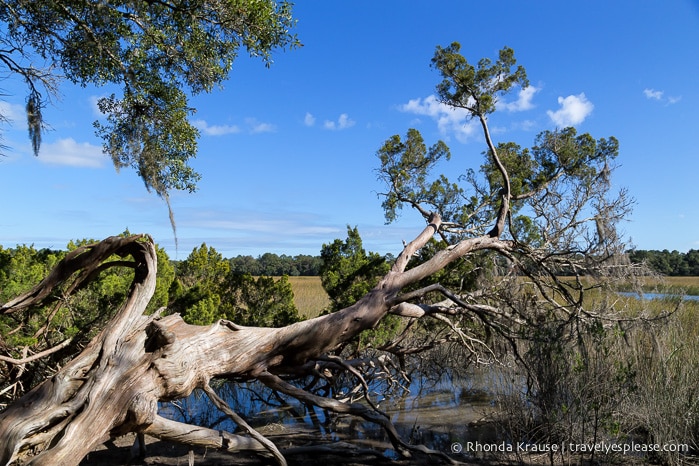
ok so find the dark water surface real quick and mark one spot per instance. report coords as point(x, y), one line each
point(434, 413)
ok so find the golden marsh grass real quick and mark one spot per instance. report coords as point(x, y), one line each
point(311, 299)
point(309, 296)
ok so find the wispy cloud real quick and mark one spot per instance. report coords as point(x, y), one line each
point(255, 221)
point(309, 120)
point(261, 225)
point(256, 127)
point(75, 154)
point(449, 120)
point(574, 110)
point(215, 130)
point(523, 102)
point(343, 122)
point(243, 231)
point(652, 94)
point(13, 113)
point(252, 126)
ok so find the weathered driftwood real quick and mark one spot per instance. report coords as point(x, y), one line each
point(114, 385)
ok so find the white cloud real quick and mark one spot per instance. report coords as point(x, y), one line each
point(75, 154)
point(256, 127)
point(652, 94)
point(523, 102)
point(215, 130)
point(309, 120)
point(94, 99)
point(13, 112)
point(429, 106)
point(343, 122)
point(241, 231)
point(252, 126)
point(574, 109)
point(290, 226)
point(526, 125)
point(449, 120)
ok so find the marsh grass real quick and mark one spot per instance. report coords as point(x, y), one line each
point(635, 380)
point(632, 377)
point(647, 371)
point(667, 285)
point(665, 405)
point(309, 296)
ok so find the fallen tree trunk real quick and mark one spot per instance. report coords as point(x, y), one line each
point(114, 385)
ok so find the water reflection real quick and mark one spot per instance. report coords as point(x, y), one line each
point(649, 296)
point(433, 411)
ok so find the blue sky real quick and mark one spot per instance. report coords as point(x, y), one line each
point(288, 154)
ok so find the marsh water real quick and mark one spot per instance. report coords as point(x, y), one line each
point(434, 410)
point(650, 296)
point(431, 411)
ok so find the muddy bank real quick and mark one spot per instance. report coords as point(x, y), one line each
point(168, 454)
point(120, 452)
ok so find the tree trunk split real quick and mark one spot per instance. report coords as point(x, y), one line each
point(113, 387)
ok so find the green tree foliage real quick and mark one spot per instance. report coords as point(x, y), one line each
point(157, 52)
point(274, 265)
point(166, 276)
point(207, 289)
point(405, 166)
point(260, 301)
point(27, 333)
point(196, 292)
point(535, 195)
point(204, 267)
point(476, 88)
point(671, 263)
point(22, 267)
point(246, 264)
point(348, 271)
point(64, 324)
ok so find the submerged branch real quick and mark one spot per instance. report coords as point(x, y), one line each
point(220, 404)
point(356, 409)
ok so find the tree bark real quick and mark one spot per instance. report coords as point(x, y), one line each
point(114, 385)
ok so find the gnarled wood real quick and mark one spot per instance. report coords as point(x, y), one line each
point(114, 385)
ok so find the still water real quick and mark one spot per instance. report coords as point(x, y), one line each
point(431, 412)
point(649, 296)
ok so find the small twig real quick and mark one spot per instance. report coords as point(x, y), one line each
point(25, 360)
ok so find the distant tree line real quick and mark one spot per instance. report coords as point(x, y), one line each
point(273, 265)
point(671, 263)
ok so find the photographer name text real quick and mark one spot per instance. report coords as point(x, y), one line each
point(601, 447)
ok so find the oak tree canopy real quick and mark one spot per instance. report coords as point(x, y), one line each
point(157, 53)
